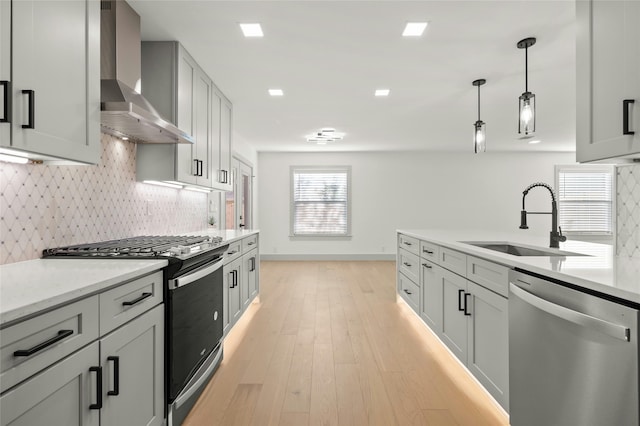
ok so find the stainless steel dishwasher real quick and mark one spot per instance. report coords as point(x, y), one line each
point(573, 356)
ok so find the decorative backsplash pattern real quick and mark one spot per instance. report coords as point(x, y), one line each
point(628, 210)
point(49, 206)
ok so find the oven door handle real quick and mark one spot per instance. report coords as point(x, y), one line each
point(195, 275)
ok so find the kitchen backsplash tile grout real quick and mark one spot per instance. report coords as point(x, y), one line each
point(628, 210)
point(49, 206)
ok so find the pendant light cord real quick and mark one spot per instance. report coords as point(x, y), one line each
point(478, 102)
point(526, 69)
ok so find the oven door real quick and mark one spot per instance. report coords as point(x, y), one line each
point(194, 323)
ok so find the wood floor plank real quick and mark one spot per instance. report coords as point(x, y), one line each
point(328, 343)
point(323, 405)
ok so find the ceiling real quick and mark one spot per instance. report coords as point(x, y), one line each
point(330, 56)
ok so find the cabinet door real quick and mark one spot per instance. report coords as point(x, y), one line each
point(132, 359)
point(225, 139)
point(608, 72)
point(488, 350)
point(227, 283)
point(431, 306)
point(235, 302)
point(202, 149)
point(5, 71)
point(254, 275)
point(56, 56)
point(187, 70)
point(247, 271)
point(454, 320)
point(60, 395)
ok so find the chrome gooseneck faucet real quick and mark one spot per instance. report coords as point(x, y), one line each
point(555, 236)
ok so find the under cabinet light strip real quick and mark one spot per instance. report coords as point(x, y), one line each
point(158, 183)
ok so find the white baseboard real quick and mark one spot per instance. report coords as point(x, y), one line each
point(346, 257)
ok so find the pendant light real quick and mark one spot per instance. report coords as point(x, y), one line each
point(479, 136)
point(527, 101)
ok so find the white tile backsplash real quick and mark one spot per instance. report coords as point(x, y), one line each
point(49, 206)
point(628, 210)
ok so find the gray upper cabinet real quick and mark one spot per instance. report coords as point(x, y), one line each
point(5, 71)
point(608, 74)
point(183, 94)
point(55, 78)
point(221, 113)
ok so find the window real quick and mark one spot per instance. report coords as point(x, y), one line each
point(320, 201)
point(585, 199)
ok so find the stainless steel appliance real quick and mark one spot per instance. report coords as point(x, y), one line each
point(573, 355)
point(193, 307)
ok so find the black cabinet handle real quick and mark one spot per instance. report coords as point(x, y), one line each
point(137, 299)
point(6, 101)
point(466, 304)
point(226, 176)
point(407, 264)
point(625, 117)
point(408, 243)
point(116, 375)
point(253, 264)
point(31, 94)
point(197, 172)
point(407, 291)
point(233, 278)
point(426, 265)
point(250, 243)
point(460, 293)
point(98, 404)
point(232, 252)
point(201, 167)
point(427, 251)
point(62, 334)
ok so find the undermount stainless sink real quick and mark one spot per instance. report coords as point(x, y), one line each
point(517, 250)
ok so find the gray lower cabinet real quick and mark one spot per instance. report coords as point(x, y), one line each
point(58, 396)
point(431, 306)
point(454, 320)
point(249, 278)
point(487, 343)
point(132, 360)
point(232, 279)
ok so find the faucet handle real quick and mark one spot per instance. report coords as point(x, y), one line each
point(560, 236)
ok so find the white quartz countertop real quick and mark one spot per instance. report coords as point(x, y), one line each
point(227, 235)
point(37, 285)
point(600, 270)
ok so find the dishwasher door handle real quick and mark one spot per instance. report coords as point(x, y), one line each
point(614, 330)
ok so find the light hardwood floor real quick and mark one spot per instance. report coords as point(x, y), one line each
point(328, 344)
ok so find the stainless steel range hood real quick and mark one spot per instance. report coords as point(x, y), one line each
point(124, 111)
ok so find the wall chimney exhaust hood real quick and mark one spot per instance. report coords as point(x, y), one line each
point(124, 111)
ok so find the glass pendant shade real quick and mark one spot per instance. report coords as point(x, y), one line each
point(527, 122)
point(479, 137)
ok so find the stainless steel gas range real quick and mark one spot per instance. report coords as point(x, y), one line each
point(193, 297)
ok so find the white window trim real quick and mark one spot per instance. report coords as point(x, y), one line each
point(591, 236)
point(316, 237)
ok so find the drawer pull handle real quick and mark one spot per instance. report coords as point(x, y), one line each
point(408, 243)
point(232, 252)
point(407, 291)
point(625, 117)
point(116, 375)
point(407, 264)
point(137, 300)
point(426, 265)
point(98, 404)
point(62, 334)
point(427, 251)
point(250, 243)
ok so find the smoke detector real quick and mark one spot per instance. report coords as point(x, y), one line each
point(325, 135)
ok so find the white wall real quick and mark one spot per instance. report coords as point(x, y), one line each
point(409, 190)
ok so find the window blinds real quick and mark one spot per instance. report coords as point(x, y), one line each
point(320, 202)
point(585, 200)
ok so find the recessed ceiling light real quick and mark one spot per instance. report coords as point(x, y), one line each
point(534, 141)
point(276, 92)
point(382, 92)
point(251, 30)
point(324, 135)
point(414, 29)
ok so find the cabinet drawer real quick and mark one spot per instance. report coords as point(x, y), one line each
point(453, 261)
point(409, 243)
point(409, 291)
point(48, 337)
point(409, 264)
point(489, 275)
point(233, 252)
point(121, 304)
point(249, 243)
point(429, 251)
